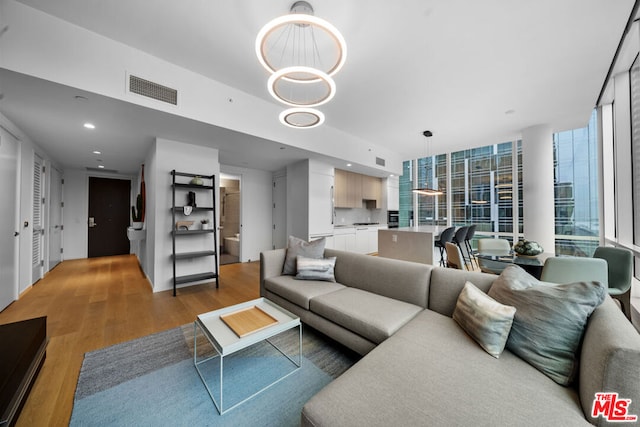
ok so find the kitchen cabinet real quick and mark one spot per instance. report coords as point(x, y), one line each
point(352, 188)
point(393, 193)
point(341, 180)
point(320, 203)
point(344, 239)
point(372, 191)
point(310, 198)
point(348, 189)
point(362, 240)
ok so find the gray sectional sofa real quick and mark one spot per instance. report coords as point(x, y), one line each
point(421, 368)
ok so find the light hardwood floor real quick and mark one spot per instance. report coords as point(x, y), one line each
point(94, 303)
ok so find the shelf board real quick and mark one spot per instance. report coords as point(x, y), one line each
point(195, 277)
point(186, 255)
point(192, 175)
point(187, 232)
point(180, 208)
point(202, 187)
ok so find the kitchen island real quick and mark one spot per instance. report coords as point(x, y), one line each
point(410, 243)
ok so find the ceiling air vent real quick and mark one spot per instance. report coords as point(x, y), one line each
point(153, 90)
point(90, 169)
point(380, 162)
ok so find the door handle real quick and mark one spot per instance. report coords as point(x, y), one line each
point(16, 233)
point(92, 222)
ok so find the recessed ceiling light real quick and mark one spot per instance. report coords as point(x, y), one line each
point(81, 98)
point(97, 152)
point(101, 166)
point(392, 175)
point(348, 165)
point(89, 125)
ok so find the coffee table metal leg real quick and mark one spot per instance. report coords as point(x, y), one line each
point(196, 363)
point(220, 406)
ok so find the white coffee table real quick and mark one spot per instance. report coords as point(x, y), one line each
point(225, 341)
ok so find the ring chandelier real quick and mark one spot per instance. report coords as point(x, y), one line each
point(301, 52)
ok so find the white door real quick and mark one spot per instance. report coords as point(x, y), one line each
point(9, 204)
point(279, 233)
point(55, 218)
point(38, 223)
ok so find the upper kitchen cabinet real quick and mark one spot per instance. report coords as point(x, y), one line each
point(310, 199)
point(341, 197)
point(353, 188)
point(372, 191)
point(393, 193)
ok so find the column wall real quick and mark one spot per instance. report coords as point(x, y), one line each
point(537, 186)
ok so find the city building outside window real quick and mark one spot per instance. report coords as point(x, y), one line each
point(576, 190)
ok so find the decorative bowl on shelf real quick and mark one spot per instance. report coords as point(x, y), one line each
point(527, 248)
point(196, 181)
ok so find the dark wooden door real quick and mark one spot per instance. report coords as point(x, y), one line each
point(109, 211)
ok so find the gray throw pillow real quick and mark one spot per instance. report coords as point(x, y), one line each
point(550, 319)
point(296, 247)
point(316, 269)
point(487, 321)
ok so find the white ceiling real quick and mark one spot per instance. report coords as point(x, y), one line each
point(455, 67)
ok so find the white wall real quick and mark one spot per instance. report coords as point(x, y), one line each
point(169, 155)
point(255, 211)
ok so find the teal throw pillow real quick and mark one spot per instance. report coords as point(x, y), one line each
point(487, 321)
point(550, 319)
point(298, 247)
point(316, 269)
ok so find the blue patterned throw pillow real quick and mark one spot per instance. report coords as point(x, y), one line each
point(316, 269)
point(550, 320)
point(487, 321)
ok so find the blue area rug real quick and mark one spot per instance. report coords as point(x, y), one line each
point(152, 381)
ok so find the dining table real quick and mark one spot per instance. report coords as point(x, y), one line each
point(496, 261)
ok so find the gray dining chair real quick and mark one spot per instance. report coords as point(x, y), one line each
point(619, 273)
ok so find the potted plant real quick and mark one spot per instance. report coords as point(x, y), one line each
point(205, 224)
point(527, 248)
point(136, 214)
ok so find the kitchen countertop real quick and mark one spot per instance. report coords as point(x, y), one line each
point(377, 224)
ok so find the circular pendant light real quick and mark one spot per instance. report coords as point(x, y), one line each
point(301, 40)
point(310, 87)
point(302, 118)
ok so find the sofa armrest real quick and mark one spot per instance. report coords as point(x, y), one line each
point(609, 359)
point(271, 263)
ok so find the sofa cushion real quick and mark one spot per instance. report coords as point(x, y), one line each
point(296, 247)
point(432, 373)
point(401, 280)
point(370, 315)
point(486, 320)
point(316, 269)
point(549, 321)
point(299, 292)
point(446, 284)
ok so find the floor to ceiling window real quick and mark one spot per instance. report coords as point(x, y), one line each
point(418, 209)
point(576, 190)
point(482, 188)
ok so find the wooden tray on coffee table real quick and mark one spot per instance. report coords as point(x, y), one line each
point(248, 320)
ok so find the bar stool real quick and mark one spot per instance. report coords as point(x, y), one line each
point(445, 237)
point(459, 239)
point(467, 241)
